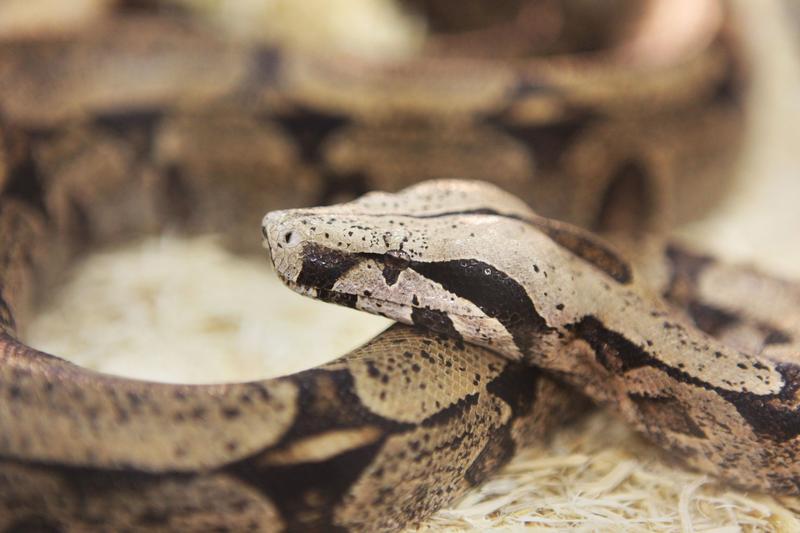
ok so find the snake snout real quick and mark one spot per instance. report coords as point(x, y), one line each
point(283, 232)
point(280, 230)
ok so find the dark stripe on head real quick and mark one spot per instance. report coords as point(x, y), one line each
point(589, 249)
point(323, 266)
point(580, 243)
point(394, 262)
point(494, 292)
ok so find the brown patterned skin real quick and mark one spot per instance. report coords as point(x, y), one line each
point(144, 121)
point(334, 448)
point(616, 136)
point(711, 373)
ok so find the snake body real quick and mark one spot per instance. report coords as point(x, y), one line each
point(326, 449)
point(619, 140)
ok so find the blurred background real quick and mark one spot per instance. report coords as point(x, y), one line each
point(182, 94)
point(759, 221)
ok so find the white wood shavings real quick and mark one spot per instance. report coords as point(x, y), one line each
point(600, 476)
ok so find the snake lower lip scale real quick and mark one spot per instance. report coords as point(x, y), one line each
point(556, 303)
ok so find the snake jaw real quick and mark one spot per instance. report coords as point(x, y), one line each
point(302, 290)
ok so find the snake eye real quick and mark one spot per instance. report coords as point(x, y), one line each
point(397, 259)
point(394, 262)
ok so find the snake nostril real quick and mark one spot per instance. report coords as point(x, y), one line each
point(291, 238)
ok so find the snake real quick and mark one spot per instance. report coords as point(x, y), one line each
point(625, 137)
point(469, 261)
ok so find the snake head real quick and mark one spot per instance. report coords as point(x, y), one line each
point(424, 256)
point(313, 248)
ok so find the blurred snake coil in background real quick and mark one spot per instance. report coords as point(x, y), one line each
point(195, 301)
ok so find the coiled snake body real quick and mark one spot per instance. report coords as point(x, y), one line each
point(400, 427)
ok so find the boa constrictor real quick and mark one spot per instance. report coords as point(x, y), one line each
point(215, 133)
point(472, 262)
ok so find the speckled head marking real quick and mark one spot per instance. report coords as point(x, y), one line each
point(428, 256)
point(446, 255)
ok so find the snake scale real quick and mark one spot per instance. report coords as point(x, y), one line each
point(624, 134)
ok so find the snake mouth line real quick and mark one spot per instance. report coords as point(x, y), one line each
point(341, 298)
